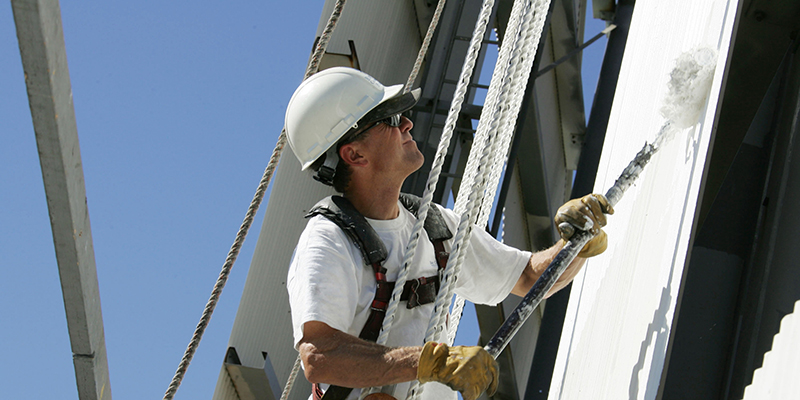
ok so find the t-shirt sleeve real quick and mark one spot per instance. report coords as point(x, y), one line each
point(322, 281)
point(490, 269)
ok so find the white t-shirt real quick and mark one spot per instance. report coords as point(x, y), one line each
point(329, 282)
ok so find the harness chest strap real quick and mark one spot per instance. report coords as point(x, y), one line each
point(416, 292)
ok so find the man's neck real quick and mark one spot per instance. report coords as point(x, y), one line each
point(375, 203)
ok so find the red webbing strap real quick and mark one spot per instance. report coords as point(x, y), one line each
point(383, 293)
point(317, 391)
point(441, 256)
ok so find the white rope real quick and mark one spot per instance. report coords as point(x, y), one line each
point(423, 49)
point(522, 52)
point(388, 320)
point(522, 61)
point(444, 142)
point(507, 64)
point(292, 377)
point(487, 128)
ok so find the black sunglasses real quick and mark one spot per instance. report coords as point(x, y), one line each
point(393, 121)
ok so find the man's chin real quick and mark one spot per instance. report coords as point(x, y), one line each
point(421, 162)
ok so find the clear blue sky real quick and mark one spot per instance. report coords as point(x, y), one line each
point(178, 106)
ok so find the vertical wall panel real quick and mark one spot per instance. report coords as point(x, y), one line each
point(621, 307)
point(777, 378)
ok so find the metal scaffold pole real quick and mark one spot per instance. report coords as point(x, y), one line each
point(44, 60)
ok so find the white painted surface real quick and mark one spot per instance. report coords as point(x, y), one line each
point(777, 378)
point(621, 307)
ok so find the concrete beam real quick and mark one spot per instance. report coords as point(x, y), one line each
point(44, 61)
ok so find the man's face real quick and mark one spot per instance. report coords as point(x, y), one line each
point(392, 151)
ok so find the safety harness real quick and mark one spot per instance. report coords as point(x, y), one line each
point(416, 292)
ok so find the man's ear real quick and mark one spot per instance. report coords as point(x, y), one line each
point(351, 155)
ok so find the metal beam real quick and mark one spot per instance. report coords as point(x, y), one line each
point(44, 61)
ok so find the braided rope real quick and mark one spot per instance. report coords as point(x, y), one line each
point(461, 242)
point(423, 50)
point(388, 320)
point(292, 377)
point(325, 37)
point(521, 62)
point(487, 129)
point(508, 110)
point(532, 28)
point(233, 253)
point(489, 119)
point(444, 142)
point(506, 62)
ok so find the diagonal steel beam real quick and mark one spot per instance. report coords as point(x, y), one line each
point(44, 60)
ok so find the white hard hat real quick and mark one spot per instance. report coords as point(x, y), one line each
point(328, 104)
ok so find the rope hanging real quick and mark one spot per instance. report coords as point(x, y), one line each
point(313, 66)
point(455, 108)
point(423, 211)
point(487, 129)
point(403, 276)
point(292, 377)
point(423, 49)
point(496, 112)
point(433, 178)
point(521, 61)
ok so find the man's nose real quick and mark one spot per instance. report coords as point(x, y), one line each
point(405, 124)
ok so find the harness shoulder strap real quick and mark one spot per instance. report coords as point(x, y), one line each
point(435, 225)
point(341, 212)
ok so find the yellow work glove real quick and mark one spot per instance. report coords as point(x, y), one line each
point(587, 214)
point(469, 370)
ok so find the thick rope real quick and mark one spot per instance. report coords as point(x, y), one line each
point(498, 87)
point(461, 242)
point(460, 93)
point(452, 116)
point(520, 65)
point(532, 28)
point(233, 253)
point(487, 129)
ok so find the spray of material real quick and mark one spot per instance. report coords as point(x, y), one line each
point(689, 85)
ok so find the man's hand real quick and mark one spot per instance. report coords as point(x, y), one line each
point(588, 214)
point(469, 370)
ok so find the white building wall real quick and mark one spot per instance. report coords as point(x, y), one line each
point(777, 378)
point(621, 308)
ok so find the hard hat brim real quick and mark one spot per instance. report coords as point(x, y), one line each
point(399, 103)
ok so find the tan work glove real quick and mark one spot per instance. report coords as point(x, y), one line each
point(588, 214)
point(469, 370)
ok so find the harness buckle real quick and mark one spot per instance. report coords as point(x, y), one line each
point(423, 291)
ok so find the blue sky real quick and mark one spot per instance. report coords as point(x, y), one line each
point(178, 106)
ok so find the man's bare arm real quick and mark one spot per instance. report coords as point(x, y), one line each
point(536, 266)
point(586, 213)
point(334, 357)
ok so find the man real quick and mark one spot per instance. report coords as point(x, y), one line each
point(348, 127)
